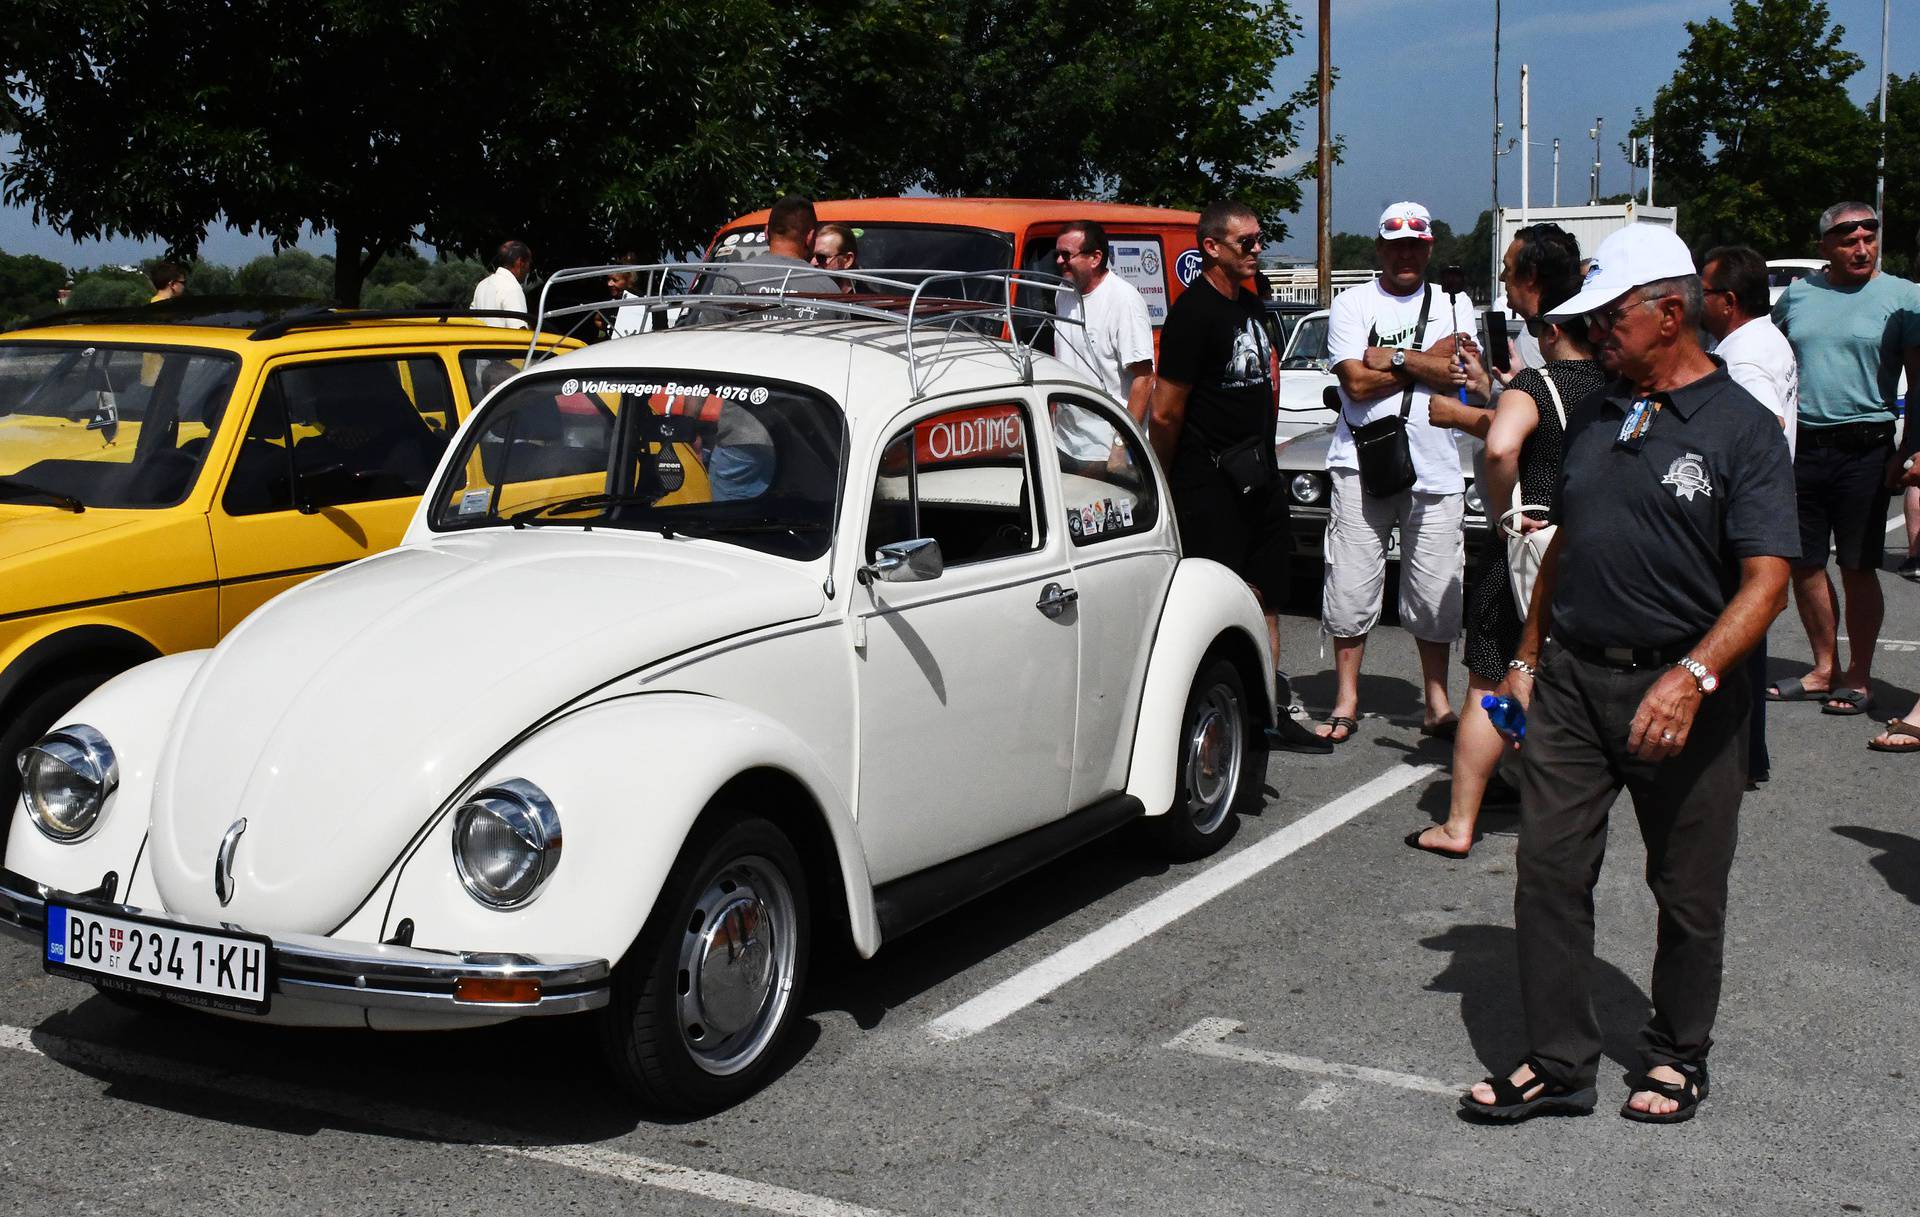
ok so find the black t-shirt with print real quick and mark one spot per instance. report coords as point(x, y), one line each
point(1219, 347)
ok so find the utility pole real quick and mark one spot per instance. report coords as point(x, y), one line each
point(1324, 251)
point(1649, 164)
point(1633, 165)
point(1493, 287)
point(1880, 175)
point(1526, 150)
point(1556, 171)
point(1593, 176)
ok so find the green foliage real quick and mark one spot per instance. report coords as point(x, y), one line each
point(1756, 133)
point(393, 295)
point(28, 286)
point(109, 287)
point(1900, 238)
point(291, 272)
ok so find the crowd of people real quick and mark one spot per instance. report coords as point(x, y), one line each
point(1676, 457)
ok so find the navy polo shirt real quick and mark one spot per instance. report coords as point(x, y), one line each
point(1651, 541)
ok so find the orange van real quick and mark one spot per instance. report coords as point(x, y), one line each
point(1154, 249)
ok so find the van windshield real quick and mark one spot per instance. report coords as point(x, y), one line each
point(895, 247)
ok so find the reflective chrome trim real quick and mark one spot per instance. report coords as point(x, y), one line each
point(91, 757)
point(538, 828)
point(367, 974)
point(223, 862)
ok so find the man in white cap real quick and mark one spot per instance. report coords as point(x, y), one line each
point(1669, 563)
point(1392, 343)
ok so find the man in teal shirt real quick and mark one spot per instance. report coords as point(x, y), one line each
point(1852, 329)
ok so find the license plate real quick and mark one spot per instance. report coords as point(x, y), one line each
point(1393, 543)
point(214, 968)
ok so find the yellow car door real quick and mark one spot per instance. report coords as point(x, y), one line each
point(335, 455)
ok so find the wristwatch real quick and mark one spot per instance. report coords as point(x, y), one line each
point(1398, 358)
point(1702, 675)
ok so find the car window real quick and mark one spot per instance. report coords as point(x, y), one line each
point(485, 371)
point(1106, 484)
point(328, 434)
point(962, 478)
point(1308, 347)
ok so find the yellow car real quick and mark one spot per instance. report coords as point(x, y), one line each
point(165, 471)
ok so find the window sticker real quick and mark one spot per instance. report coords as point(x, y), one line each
point(1138, 261)
point(474, 502)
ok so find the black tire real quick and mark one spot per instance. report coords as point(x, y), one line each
point(35, 716)
point(683, 1038)
point(1221, 758)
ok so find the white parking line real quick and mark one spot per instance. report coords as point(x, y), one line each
point(1208, 1038)
point(1897, 520)
point(1071, 961)
point(450, 1131)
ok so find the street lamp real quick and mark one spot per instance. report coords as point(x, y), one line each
point(1556, 171)
point(1593, 186)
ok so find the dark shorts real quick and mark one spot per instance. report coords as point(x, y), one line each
point(1840, 474)
point(1249, 534)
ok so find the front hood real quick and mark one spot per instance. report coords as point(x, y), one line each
point(337, 717)
point(49, 556)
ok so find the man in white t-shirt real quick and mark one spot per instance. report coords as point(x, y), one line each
point(1115, 346)
point(502, 291)
point(1389, 363)
point(1758, 356)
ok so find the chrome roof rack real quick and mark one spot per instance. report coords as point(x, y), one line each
point(915, 299)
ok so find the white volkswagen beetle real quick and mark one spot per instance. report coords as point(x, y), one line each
point(704, 643)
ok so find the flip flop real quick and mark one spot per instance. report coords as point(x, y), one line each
point(1898, 729)
point(1340, 729)
point(1413, 839)
point(1789, 688)
point(1445, 728)
point(1852, 701)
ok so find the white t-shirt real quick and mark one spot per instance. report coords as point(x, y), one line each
point(1370, 307)
point(500, 290)
point(1117, 333)
point(1760, 360)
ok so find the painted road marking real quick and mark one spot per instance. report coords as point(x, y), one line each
point(1208, 1038)
point(1071, 961)
point(1887, 644)
point(450, 1131)
point(1320, 1098)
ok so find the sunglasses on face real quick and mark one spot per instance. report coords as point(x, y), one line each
point(1067, 255)
point(1248, 243)
point(1847, 228)
point(1605, 319)
point(1410, 223)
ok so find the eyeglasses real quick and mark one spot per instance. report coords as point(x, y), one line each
point(823, 259)
point(1248, 243)
point(1067, 255)
point(1396, 223)
point(1605, 319)
point(1847, 228)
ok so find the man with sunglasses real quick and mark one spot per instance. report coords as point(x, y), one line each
point(1113, 343)
point(1211, 424)
point(1668, 564)
point(1852, 329)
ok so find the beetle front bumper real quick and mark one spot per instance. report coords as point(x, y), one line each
point(310, 967)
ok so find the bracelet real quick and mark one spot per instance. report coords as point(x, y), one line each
point(1521, 665)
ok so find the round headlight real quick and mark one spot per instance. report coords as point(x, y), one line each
point(506, 841)
point(65, 780)
point(1475, 503)
point(1308, 488)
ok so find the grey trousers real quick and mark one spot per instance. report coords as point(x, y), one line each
point(1572, 769)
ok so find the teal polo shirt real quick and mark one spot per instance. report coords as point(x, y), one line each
point(1849, 342)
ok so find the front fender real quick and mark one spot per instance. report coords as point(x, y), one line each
point(629, 777)
point(1207, 601)
point(134, 711)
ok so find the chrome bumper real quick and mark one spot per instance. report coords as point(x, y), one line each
point(308, 967)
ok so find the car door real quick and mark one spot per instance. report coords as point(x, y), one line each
point(966, 682)
point(335, 455)
point(1123, 557)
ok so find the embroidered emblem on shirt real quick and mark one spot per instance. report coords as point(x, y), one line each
point(1688, 477)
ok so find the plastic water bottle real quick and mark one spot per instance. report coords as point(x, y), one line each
point(1509, 719)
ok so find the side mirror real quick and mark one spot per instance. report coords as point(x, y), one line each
point(106, 416)
point(913, 561)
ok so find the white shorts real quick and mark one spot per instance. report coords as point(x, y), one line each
point(1432, 554)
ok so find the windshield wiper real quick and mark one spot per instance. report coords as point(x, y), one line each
point(701, 528)
point(531, 515)
point(12, 488)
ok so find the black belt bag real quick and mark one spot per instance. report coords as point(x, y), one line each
point(1245, 467)
point(1381, 448)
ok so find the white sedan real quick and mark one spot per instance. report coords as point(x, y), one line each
point(704, 643)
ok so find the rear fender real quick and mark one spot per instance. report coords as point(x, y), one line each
point(630, 777)
point(1208, 606)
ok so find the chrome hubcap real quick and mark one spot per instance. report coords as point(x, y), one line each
point(736, 965)
point(1215, 740)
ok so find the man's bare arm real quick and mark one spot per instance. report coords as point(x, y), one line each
point(1140, 392)
point(1168, 417)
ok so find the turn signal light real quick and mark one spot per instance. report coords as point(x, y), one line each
point(505, 990)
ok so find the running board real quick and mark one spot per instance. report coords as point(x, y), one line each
point(916, 899)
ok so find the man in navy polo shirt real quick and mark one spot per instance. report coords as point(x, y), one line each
point(1669, 563)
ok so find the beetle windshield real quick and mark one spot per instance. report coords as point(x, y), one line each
point(740, 459)
point(104, 425)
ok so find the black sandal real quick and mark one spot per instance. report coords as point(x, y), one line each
point(1689, 1093)
point(1510, 1102)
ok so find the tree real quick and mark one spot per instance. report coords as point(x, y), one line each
point(1756, 133)
point(1900, 236)
point(28, 286)
point(109, 287)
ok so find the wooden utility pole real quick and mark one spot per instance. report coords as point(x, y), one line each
point(1324, 178)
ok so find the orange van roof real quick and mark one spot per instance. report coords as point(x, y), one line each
point(1002, 214)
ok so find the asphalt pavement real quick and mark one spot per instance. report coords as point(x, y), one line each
point(1281, 1029)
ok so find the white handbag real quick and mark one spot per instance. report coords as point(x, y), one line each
point(1526, 550)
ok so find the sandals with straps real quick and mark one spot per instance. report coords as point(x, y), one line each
point(1340, 729)
point(1511, 1103)
point(1689, 1093)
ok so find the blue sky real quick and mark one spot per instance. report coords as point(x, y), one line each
point(1414, 104)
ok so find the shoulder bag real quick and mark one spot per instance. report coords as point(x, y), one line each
point(1525, 550)
point(1380, 447)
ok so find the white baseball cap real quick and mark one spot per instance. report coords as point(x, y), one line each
point(1630, 257)
point(1402, 221)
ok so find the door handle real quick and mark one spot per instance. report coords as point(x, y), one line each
point(1054, 600)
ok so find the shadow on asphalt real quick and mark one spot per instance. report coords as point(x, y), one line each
point(1395, 699)
point(1899, 859)
point(1483, 972)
